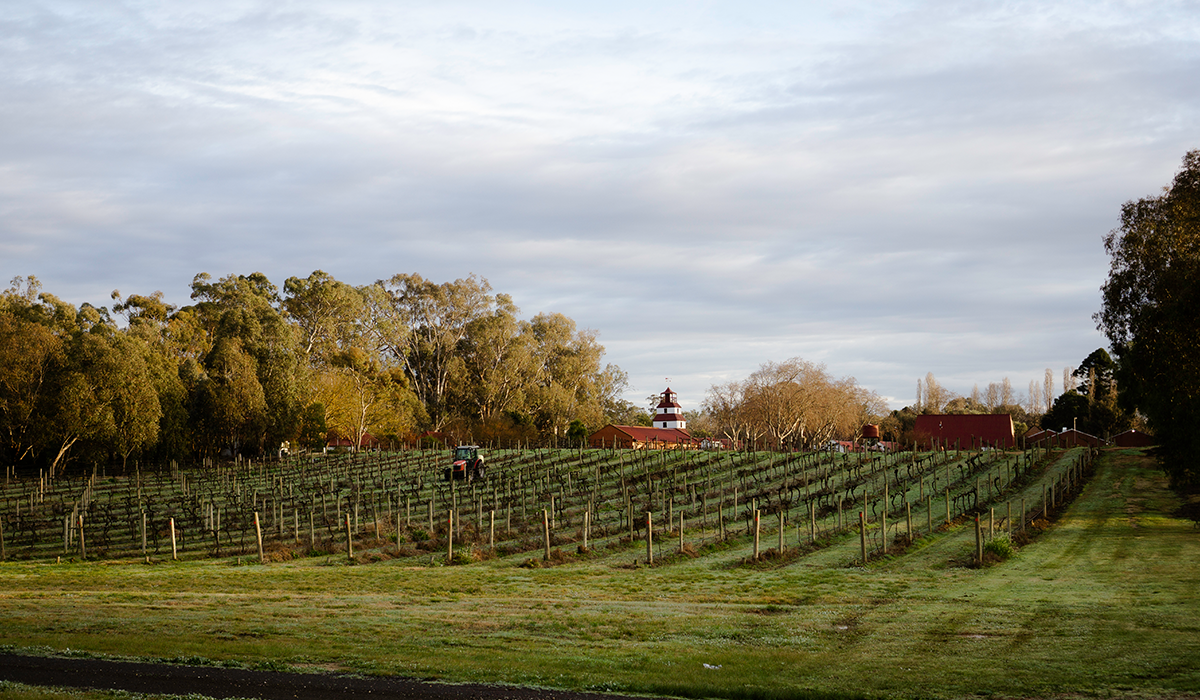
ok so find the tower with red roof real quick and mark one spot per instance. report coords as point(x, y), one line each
point(669, 413)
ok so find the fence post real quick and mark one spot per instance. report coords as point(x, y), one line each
point(82, 548)
point(862, 535)
point(650, 538)
point(258, 538)
point(756, 535)
point(978, 543)
point(546, 534)
point(174, 551)
point(681, 531)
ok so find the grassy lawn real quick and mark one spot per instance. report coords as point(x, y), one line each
point(1107, 602)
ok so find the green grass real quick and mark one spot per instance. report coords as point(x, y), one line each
point(1106, 602)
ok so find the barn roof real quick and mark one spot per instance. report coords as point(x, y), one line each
point(966, 429)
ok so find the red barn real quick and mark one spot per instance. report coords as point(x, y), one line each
point(1134, 438)
point(965, 431)
point(639, 438)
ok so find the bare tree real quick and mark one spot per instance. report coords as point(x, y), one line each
point(792, 403)
point(936, 395)
point(992, 396)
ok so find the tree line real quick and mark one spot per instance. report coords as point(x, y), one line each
point(247, 367)
point(1088, 402)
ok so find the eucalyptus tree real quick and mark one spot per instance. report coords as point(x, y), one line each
point(29, 353)
point(328, 313)
point(1149, 315)
point(241, 321)
point(427, 322)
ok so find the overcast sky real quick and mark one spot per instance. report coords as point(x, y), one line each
point(889, 188)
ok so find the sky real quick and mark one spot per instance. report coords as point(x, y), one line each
point(888, 188)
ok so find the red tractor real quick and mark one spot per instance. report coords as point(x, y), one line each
point(467, 466)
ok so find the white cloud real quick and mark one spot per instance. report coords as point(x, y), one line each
point(889, 188)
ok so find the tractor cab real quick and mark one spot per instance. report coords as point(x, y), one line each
point(467, 465)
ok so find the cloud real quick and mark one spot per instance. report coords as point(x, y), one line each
point(888, 188)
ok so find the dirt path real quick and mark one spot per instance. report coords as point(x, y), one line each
point(219, 682)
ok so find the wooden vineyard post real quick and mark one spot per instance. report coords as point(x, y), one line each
point(82, 548)
point(1008, 520)
point(991, 524)
point(812, 522)
point(781, 531)
point(629, 518)
point(929, 513)
point(450, 536)
point(1044, 511)
point(978, 543)
point(756, 535)
point(883, 528)
point(431, 517)
point(908, 519)
point(312, 531)
point(841, 524)
point(147, 556)
point(349, 539)
point(296, 524)
point(258, 536)
point(546, 533)
point(650, 538)
point(862, 535)
point(174, 551)
point(492, 530)
point(681, 532)
point(3, 554)
point(947, 505)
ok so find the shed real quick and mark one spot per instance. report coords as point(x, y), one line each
point(1134, 438)
point(965, 430)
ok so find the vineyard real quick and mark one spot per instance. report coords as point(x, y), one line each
point(540, 507)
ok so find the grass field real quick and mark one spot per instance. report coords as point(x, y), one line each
point(1106, 602)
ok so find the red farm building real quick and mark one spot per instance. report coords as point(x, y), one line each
point(669, 430)
point(965, 431)
point(1134, 438)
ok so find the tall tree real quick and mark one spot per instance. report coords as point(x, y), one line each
point(328, 312)
point(1149, 315)
point(247, 310)
point(436, 318)
point(29, 354)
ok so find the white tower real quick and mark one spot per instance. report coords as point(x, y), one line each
point(669, 413)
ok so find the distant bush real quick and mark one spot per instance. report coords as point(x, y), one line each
point(1000, 548)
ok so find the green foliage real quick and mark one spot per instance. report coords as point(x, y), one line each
point(999, 547)
point(312, 427)
point(577, 432)
point(1149, 315)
